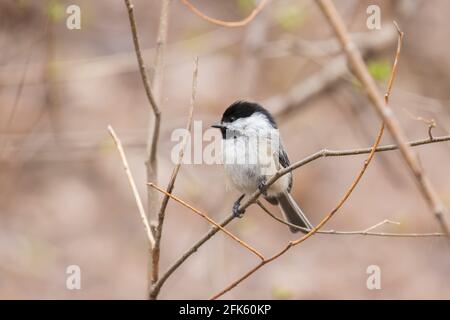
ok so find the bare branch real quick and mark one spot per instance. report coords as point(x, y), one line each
point(330, 73)
point(431, 123)
point(394, 66)
point(160, 50)
point(153, 137)
point(158, 285)
point(365, 232)
point(344, 197)
point(315, 156)
point(222, 23)
point(207, 218)
point(316, 228)
point(292, 45)
point(145, 80)
point(361, 72)
point(176, 169)
point(126, 167)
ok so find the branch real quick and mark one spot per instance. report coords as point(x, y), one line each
point(315, 156)
point(365, 232)
point(207, 218)
point(153, 138)
point(158, 285)
point(145, 81)
point(362, 74)
point(293, 243)
point(170, 186)
point(222, 23)
point(331, 72)
point(316, 228)
point(325, 153)
point(160, 50)
point(344, 197)
point(292, 45)
point(148, 231)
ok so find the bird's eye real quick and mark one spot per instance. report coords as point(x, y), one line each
point(232, 119)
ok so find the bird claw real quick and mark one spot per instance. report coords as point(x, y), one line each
point(237, 211)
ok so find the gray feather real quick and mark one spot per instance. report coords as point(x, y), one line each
point(292, 212)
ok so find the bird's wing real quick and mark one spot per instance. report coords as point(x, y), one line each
point(284, 162)
point(283, 158)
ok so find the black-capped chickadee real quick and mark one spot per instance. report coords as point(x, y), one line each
point(252, 153)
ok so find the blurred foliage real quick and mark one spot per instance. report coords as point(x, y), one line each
point(282, 293)
point(290, 17)
point(55, 10)
point(245, 6)
point(22, 3)
point(380, 69)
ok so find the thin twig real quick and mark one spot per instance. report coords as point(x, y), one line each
point(315, 156)
point(222, 23)
point(313, 230)
point(431, 123)
point(153, 137)
point(386, 221)
point(145, 80)
point(395, 65)
point(344, 197)
point(365, 232)
point(207, 218)
point(126, 167)
point(331, 72)
point(171, 184)
point(158, 285)
point(362, 74)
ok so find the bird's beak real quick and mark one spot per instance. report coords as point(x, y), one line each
point(218, 125)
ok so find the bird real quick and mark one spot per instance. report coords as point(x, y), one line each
point(252, 153)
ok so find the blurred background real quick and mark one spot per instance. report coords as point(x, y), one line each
point(65, 199)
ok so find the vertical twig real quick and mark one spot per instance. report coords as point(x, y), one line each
point(153, 138)
point(313, 230)
point(346, 194)
point(361, 72)
point(153, 199)
point(126, 167)
point(315, 156)
point(170, 186)
point(161, 42)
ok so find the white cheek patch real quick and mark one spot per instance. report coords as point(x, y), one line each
point(253, 141)
point(256, 123)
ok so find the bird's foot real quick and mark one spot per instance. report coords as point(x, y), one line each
point(237, 211)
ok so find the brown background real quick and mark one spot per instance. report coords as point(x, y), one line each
point(64, 198)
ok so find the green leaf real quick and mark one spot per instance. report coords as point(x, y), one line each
point(290, 17)
point(380, 69)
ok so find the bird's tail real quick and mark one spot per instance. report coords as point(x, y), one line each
point(292, 212)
